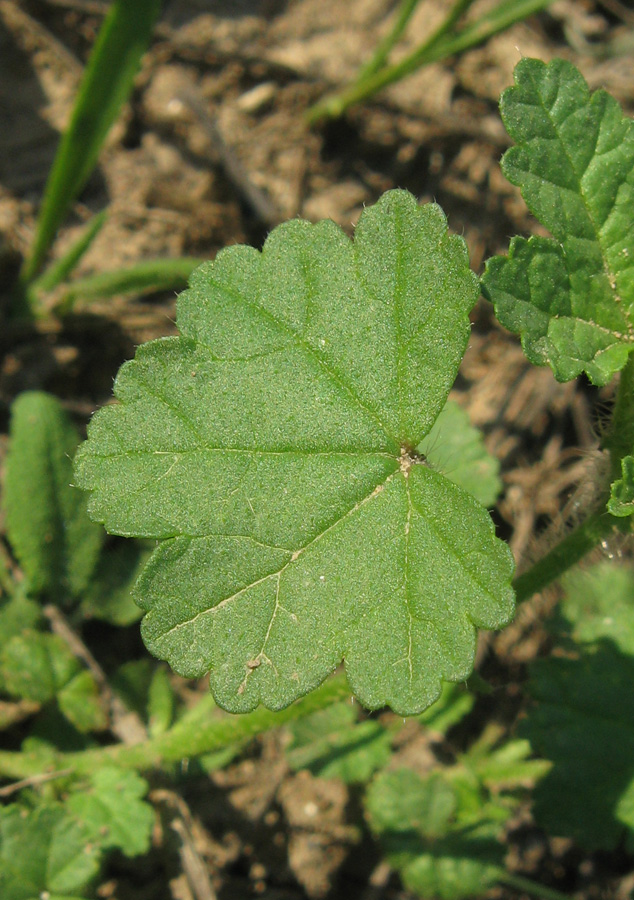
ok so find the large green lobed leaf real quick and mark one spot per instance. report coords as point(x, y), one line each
point(571, 298)
point(270, 449)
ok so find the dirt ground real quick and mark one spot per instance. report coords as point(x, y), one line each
point(252, 69)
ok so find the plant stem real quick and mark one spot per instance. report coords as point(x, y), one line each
point(620, 438)
point(526, 885)
point(566, 554)
point(179, 742)
point(439, 46)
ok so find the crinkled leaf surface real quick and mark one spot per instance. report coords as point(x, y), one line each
point(54, 540)
point(36, 666)
point(270, 448)
point(44, 853)
point(621, 502)
point(457, 449)
point(585, 709)
point(571, 298)
point(441, 840)
point(113, 813)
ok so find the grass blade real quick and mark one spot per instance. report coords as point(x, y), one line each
point(61, 268)
point(150, 275)
point(106, 85)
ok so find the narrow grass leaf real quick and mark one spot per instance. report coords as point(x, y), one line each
point(145, 277)
point(107, 83)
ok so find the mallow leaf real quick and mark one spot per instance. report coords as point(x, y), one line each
point(44, 853)
point(621, 502)
point(441, 839)
point(456, 448)
point(271, 450)
point(572, 297)
point(585, 705)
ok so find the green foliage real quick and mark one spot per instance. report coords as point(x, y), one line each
point(106, 85)
point(271, 449)
point(332, 744)
point(570, 298)
point(56, 850)
point(584, 709)
point(44, 852)
point(113, 813)
point(314, 497)
point(455, 447)
point(621, 502)
point(53, 538)
point(432, 837)
point(108, 597)
point(456, 34)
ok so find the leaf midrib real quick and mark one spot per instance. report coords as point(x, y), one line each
point(295, 554)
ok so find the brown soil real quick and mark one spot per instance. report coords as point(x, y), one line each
point(253, 68)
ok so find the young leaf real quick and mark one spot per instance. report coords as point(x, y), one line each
point(571, 298)
point(113, 813)
point(455, 447)
point(585, 706)
point(621, 502)
point(54, 540)
point(271, 450)
point(44, 853)
point(419, 822)
point(80, 702)
point(36, 666)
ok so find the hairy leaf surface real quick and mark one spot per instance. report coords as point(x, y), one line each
point(571, 298)
point(270, 448)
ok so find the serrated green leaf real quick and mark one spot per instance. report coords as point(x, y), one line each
point(571, 298)
point(585, 709)
point(80, 702)
point(36, 666)
point(54, 540)
point(43, 852)
point(456, 448)
point(333, 744)
point(621, 502)
point(418, 821)
point(113, 813)
point(270, 448)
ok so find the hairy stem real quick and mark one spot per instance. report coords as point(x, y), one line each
point(619, 439)
point(179, 742)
